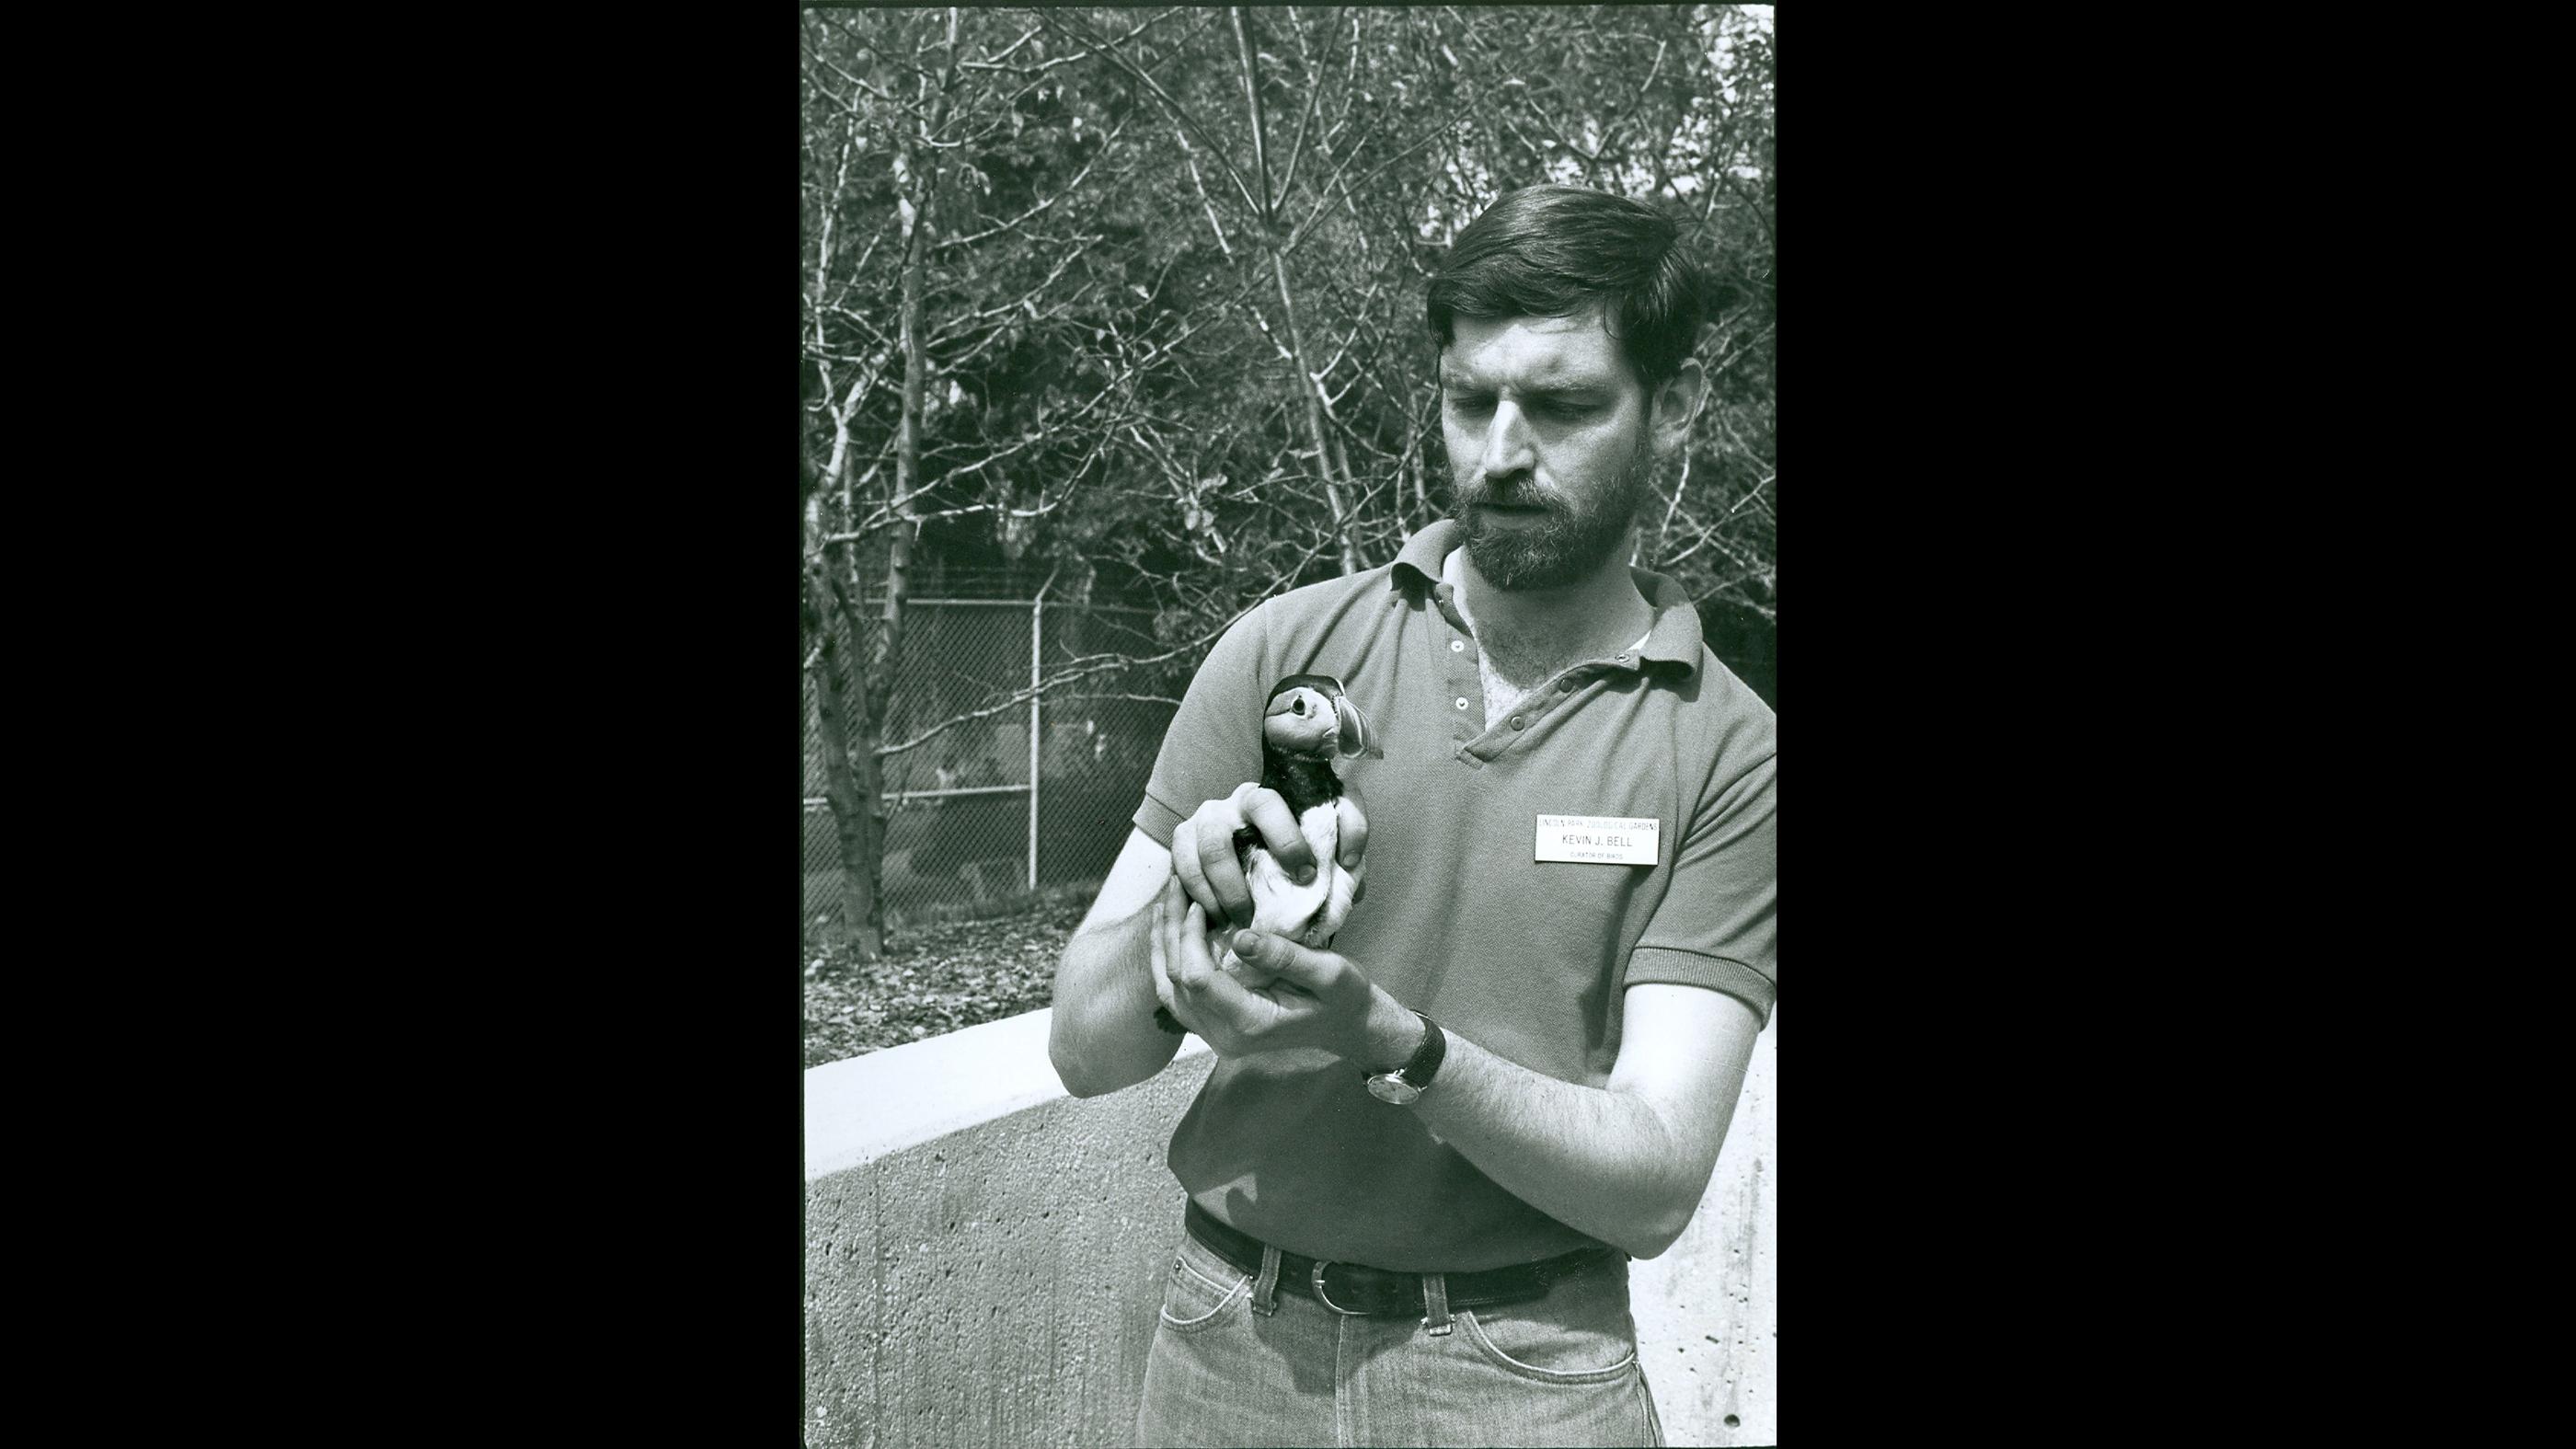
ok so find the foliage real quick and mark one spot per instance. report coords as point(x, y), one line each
point(935, 978)
point(1131, 300)
point(1109, 388)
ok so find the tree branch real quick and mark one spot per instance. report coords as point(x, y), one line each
point(1054, 19)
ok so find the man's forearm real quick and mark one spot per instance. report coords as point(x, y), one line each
point(1599, 1161)
point(1625, 1163)
point(1103, 1035)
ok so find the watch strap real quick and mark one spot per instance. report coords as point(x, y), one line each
point(1418, 1069)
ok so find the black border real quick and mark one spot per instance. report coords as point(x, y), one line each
point(1969, 330)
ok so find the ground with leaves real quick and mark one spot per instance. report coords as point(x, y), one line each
point(933, 979)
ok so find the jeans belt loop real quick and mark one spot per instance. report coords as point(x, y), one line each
point(1315, 1280)
point(1265, 1289)
point(1435, 1303)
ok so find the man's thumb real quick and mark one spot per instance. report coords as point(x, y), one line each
point(1283, 958)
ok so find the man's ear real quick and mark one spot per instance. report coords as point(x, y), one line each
point(1676, 402)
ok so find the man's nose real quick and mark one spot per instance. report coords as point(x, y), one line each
point(1507, 443)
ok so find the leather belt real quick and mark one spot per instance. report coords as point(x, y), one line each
point(1356, 1291)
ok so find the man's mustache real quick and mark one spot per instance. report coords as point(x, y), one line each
point(1513, 497)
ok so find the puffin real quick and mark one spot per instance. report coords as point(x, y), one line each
point(1306, 722)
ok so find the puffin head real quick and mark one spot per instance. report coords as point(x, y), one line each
point(1310, 716)
point(1301, 722)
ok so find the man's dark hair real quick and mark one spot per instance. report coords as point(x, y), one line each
point(1552, 251)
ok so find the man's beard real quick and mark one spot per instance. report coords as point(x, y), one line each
point(1566, 547)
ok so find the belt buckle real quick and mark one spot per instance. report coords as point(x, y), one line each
point(1315, 1279)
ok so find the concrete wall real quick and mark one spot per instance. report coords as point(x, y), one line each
point(1708, 1310)
point(984, 1255)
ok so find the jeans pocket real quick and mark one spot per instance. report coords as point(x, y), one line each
point(1548, 1355)
point(1581, 1333)
point(1201, 1288)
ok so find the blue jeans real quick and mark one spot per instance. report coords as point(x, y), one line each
point(1556, 1370)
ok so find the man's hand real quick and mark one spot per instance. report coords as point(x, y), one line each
point(1283, 996)
point(1203, 849)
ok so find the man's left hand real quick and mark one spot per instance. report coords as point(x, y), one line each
point(1285, 996)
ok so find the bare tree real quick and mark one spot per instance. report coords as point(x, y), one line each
point(1136, 295)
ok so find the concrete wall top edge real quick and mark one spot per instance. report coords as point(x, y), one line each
point(863, 1107)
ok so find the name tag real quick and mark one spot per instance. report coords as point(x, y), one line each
point(1599, 839)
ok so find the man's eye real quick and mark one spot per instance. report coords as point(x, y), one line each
point(1471, 406)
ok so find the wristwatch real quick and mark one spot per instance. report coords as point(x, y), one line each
point(1401, 1086)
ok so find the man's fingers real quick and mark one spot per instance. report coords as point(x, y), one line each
point(1227, 890)
point(1185, 864)
point(1213, 995)
point(1350, 851)
point(1164, 938)
point(1248, 975)
point(1157, 947)
point(1191, 967)
point(1317, 973)
point(1264, 811)
point(1354, 832)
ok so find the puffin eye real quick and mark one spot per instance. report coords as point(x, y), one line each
point(1297, 704)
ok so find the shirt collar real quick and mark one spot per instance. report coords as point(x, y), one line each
point(1674, 637)
point(1423, 552)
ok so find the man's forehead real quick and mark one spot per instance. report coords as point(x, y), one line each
point(1570, 348)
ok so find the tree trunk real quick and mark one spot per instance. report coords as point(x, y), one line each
point(907, 447)
point(914, 197)
point(852, 794)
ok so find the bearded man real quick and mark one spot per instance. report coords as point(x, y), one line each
point(1425, 1155)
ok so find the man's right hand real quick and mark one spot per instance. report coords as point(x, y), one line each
point(1203, 851)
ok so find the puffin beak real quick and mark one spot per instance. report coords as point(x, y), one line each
point(1354, 725)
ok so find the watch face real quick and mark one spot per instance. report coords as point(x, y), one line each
point(1388, 1087)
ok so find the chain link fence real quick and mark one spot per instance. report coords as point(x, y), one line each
point(1003, 793)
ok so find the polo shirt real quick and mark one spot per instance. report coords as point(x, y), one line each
point(1527, 958)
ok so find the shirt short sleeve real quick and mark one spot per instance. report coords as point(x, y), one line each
point(1715, 925)
point(1214, 741)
